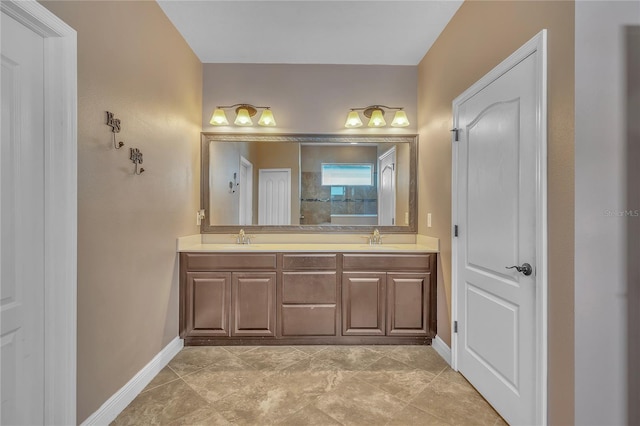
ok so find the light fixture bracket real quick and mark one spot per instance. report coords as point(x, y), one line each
point(250, 109)
point(368, 111)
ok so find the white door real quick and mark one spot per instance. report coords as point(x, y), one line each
point(245, 192)
point(387, 188)
point(274, 197)
point(497, 182)
point(21, 231)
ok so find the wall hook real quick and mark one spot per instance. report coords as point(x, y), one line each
point(136, 157)
point(114, 123)
point(233, 184)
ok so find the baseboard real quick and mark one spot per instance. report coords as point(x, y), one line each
point(122, 398)
point(443, 350)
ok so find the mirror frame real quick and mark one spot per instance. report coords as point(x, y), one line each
point(207, 137)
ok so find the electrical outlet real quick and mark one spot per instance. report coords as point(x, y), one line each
point(428, 220)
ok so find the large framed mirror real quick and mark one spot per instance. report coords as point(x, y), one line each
point(308, 183)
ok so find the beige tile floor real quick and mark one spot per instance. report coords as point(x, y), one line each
point(309, 385)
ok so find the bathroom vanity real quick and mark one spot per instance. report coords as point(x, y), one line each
point(303, 294)
point(344, 187)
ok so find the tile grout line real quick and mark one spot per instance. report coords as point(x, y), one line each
point(330, 416)
point(399, 411)
point(411, 401)
point(383, 391)
point(456, 385)
point(395, 396)
point(387, 392)
point(161, 384)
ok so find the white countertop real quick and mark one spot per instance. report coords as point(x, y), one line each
point(293, 247)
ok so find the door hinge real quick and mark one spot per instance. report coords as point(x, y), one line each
point(455, 326)
point(455, 230)
point(456, 135)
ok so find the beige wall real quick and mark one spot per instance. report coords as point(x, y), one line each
point(309, 98)
point(480, 36)
point(131, 61)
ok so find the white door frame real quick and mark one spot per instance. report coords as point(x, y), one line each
point(538, 44)
point(391, 152)
point(60, 215)
point(246, 192)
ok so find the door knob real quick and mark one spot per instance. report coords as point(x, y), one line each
point(526, 269)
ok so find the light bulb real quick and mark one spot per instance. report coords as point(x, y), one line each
point(353, 120)
point(266, 119)
point(400, 119)
point(243, 118)
point(219, 118)
point(377, 119)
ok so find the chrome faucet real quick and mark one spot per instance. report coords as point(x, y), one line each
point(242, 238)
point(375, 238)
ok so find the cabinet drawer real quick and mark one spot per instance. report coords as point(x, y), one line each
point(309, 261)
point(387, 262)
point(223, 261)
point(309, 320)
point(309, 287)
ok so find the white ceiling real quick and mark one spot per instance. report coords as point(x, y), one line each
point(391, 32)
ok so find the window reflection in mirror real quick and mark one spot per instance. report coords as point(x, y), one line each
point(298, 182)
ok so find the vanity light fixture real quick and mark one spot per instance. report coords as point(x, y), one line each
point(375, 114)
point(244, 112)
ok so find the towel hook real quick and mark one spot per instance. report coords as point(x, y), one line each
point(136, 157)
point(114, 123)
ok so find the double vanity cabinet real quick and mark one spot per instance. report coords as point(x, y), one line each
point(289, 297)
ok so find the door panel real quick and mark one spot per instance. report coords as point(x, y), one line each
point(493, 141)
point(496, 175)
point(208, 299)
point(485, 311)
point(274, 197)
point(245, 192)
point(408, 304)
point(387, 188)
point(253, 297)
point(22, 225)
point(363, 310)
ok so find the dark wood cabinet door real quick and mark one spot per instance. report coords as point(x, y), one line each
point(363, 303)
point(208, 297)
point(253, 296)
point(408, 304)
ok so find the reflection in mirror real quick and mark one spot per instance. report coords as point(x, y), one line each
point(308, 183)
point(237, 202)
point(344, 185)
